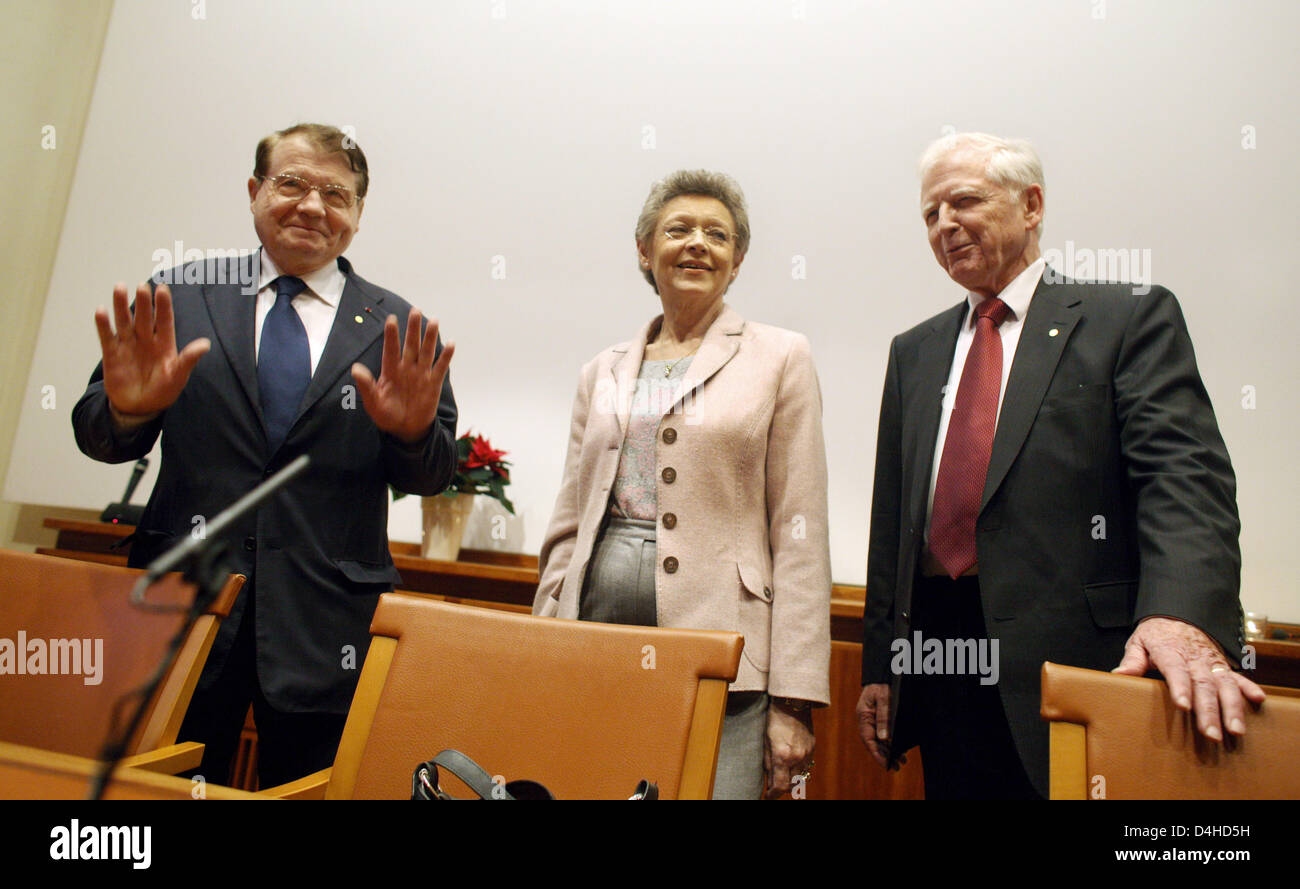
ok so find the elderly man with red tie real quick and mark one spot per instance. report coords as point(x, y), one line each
point(1050, 484)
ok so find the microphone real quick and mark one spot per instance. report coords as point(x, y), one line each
point(192, 547)
point(203, 562)
point(123, 513)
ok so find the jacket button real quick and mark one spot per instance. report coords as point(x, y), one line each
point(250, 543)
point(670, 520)
point(670, 435)
point(670, 565)
point(905, 616)
point(669, 475)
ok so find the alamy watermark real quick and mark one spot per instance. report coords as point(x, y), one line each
point(89, 842)
point(919, 656)
point(1117, 265)
point(651, 396)
point(53, 657)
point(183, 265)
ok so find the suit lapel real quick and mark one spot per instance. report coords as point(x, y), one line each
point(357, 324)
point(921, 425)
point(720, 344)
point(233, 315)
point(1053, 313)
point(624, 370)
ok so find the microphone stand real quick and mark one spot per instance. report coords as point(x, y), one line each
point(202, 562)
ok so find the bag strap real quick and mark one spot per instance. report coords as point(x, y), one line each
point(425, 784)
point(647, 790)
point(474, 776)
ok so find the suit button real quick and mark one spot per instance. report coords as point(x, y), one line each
point(250, 543)
point(669, 475)
point(670, 565)
point(670, 435)
point(670, 520)
point(905, 616)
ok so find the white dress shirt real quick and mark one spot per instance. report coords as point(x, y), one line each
point(1016, 295)
point(316, 306)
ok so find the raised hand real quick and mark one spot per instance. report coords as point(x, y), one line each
point(404, 400)
point(143, 374)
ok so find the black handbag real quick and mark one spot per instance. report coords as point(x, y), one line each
point(425, 785)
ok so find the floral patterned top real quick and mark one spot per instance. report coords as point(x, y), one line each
point(658, 389)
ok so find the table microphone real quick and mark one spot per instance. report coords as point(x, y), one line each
point(124, 513)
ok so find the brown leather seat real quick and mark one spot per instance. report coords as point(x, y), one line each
point(1121, 737)
point(587, 709)
point(47, 598)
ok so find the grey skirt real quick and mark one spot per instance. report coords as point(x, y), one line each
point(620, 589)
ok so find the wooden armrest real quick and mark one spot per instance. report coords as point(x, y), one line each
point(170, 760)
point(308, 787)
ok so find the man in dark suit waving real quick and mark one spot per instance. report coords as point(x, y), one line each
point(1050, 485)
point(276, 347)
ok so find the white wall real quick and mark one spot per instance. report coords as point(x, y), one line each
point(532, 131)
point(49, 56)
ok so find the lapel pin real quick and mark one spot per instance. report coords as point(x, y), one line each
point(1053, 332)
point(357, 318)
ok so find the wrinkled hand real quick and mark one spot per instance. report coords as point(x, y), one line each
point(143, 374)
point(1199, 677)
point(787, 749)
point(404, 401)
point(873, 722)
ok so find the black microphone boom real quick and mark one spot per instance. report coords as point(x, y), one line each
point(187, 549)
point(124, 513)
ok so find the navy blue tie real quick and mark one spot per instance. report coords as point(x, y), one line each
point(283, 361)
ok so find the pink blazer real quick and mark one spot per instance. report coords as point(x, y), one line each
point(747, 548)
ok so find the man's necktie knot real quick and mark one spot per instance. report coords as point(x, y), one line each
point(288, 286)
point(992, 308)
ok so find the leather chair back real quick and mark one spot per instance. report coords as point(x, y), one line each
point(1121, 737)
point(68, 609)
point(587, 709)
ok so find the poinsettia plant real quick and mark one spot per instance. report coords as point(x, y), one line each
point(480, 470)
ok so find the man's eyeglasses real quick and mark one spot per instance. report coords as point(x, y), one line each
point(715, 235)
point(292, 188)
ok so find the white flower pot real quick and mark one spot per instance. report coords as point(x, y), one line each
point(444, 525)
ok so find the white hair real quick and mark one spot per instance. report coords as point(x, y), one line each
point(1011, 163)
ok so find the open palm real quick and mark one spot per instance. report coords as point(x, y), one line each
point(404, 400)
point(143, 373)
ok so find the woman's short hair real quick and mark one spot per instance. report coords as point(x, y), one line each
point(327, 139)
point(705, 183)
point(1012, 163)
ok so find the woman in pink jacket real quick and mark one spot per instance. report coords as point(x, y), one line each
point(694, 491)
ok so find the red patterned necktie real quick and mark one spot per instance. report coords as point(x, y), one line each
point(966, 450)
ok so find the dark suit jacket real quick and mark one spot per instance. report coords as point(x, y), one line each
point(316, 554)
point(1109, 495)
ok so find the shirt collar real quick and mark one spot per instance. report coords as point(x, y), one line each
point(326, 282)
point(1016, 295)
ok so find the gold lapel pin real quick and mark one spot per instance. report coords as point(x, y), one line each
point(358, 319)
point(1053, 332)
